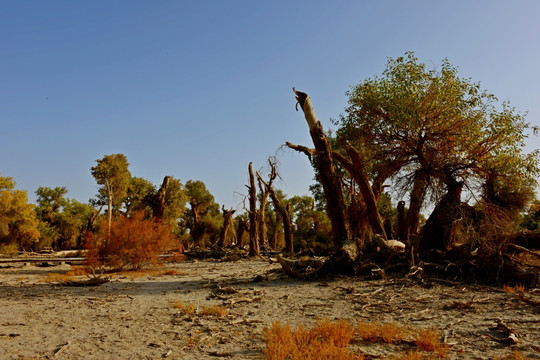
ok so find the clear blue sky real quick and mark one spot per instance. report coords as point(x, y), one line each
point(198, 89)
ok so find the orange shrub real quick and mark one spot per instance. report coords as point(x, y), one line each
point(430, 340)
point(326, 340)
point(133, 242)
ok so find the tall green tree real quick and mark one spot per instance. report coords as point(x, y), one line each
point(63, 221)
point(312, 228)
point(18, 222)
point(139, 196)
point(111, 172)
point(432, 131)
point(175, 201)
point(202, 218)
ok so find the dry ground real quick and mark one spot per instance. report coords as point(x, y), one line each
point(134, 317)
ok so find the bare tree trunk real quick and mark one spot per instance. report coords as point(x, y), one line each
point(159, 206)
point(417, 198)
point(227, 222)
point(438, 232)
point(286, 216)
point(197, 231)
point(284, 210)
point(242, 227)
point(254, 249)
point(403, 232)
point(388, 227)
point(263, 238)
point(329, 179)
point(360, 176)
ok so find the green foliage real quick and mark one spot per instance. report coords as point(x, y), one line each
point(18, 223)
point(6, 183)
point(311, 226)
point(175, 203)
point(415, 120)
point(202, 218)
point(111, 172)
point(139, 196)
point(62, 221)
point(531, 218)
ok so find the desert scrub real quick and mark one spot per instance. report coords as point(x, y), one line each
point(326, 340)
point(188, 309)
point(385, 333)
point(59, 277)
point(215, 310)
point(331, 339)
point(430, 340)
point(191, 309)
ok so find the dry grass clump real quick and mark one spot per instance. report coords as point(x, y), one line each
point(79, 270)
point(385, 333)
point(330, 340)
point(59, 277)
point(517, 289)
point(430, 340)
point(326, 340)
point(215, 310)
point(188, 309)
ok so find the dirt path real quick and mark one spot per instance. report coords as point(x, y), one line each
point(135, 317)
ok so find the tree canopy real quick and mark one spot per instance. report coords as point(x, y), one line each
point(428, 130)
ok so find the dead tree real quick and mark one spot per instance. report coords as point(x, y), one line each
point(356, 167)
point(254, 249)
point(227, 223)
point(242, 228)
point(263, 197)
point(327, 173)
point(283, 210)
point(159, 201)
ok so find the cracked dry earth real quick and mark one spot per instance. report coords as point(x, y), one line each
point(135, 317)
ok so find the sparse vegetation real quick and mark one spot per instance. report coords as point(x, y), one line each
point(131, 242)
point(331, 339)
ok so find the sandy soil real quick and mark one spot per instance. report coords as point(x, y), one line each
point(135, 318)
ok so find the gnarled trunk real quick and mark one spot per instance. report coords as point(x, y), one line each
point(438, 232)
point(254, 249)
point(227, 222)
point(285, 213)
point(329, 179)
point(159, 203)
point(417, 198)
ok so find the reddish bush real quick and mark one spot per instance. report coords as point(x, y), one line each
point(132, 242)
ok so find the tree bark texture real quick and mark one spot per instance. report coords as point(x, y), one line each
point(285, 213)
point(403, 232)
point(263, 197)
point(438, 232)
point(254, 249)
point(227, 223)
point(159, 206)
point(360, 176)
point(329, 179)
point(242, 227)
point(417, 198)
